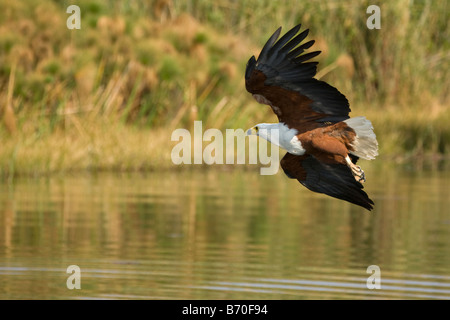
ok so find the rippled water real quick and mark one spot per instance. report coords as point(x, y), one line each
point(212, 234)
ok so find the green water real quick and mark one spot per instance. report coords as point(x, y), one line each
point(213, 234)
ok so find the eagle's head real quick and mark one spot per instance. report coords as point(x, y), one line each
point(267, 131)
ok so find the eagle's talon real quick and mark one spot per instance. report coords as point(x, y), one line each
point(361, 178)
point(360, 175)
point(357, 172)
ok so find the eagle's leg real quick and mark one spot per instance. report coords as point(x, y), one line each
point(357, 172)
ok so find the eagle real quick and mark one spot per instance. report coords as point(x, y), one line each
point(323, 143)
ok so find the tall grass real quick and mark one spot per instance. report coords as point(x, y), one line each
point(74, 99)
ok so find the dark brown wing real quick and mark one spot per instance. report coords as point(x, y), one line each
point(284, 77)
point(335, 180)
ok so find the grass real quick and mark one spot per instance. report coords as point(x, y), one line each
point(108, 96)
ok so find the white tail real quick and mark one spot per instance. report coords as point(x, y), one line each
point(365, 144)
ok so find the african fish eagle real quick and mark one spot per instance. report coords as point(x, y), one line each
point(323, 143)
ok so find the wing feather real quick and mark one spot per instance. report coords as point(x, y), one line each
point(300, 49)
point(264, 52)
point(335, 180)
point(283, 70)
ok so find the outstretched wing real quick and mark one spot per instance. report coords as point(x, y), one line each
point(335, 180)
point(283, 77)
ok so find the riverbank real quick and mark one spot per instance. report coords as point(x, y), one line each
point(105, 145)
point(108, 96)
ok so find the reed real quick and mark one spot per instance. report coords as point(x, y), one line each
point(109, 95)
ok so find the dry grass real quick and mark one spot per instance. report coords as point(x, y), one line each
point(94, 145)
point(109, 95)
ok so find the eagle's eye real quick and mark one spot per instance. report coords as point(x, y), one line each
point(256, 128)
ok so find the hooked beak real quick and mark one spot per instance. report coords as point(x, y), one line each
point(251, 131)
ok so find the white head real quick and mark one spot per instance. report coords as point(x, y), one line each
point(280, 135)
point(267, 131)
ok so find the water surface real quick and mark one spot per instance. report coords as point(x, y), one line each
point(213, 234)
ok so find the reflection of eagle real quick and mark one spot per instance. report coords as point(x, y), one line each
point(322, 141)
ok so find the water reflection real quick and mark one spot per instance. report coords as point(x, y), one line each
point(223, 235)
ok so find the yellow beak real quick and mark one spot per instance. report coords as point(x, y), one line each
point(252, 131)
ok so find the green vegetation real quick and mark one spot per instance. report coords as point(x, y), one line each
point(109, 95)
